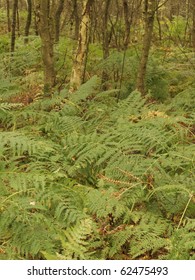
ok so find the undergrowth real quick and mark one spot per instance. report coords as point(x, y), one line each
point(83, 176)
point(96, 175)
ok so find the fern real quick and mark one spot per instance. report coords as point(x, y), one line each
point(83, 176)
point(86, 90)
point(9, 106)
point(75, 241)
point(182, 243)
point(119, 240)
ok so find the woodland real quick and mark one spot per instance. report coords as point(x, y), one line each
point(97, 126)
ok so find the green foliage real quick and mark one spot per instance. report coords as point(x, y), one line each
point(114, 68)
point(85, 177)
point(63, 58)
point(157, 80)
point(25, 58)
point(176, 28)
point(4, 44)
point(182, 242)
point(8, 88)
point(95, 174)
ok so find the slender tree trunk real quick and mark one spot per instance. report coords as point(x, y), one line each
point(28, 21)
point(149, 13)
point(76, 20)
point(47, 39)
point(35, 21)
point(128, 22)
point(13, 29)
point(94, 25)
point(128, 17)
point(193, 24)
point(18, 21)
point(79, 64)
point(8, 16)
point(57, 20)
point(187, 16)
point(106, 42)
point(105, 30)
point(158, 17)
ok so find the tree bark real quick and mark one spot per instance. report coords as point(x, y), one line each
point(57, 20)
point(76, 20)
point(13, 29)
point(105, 45)
point(18, 21)
point(158, 17)
point(193, 24)
point(28, 21)
point(46, 33)
point(128, 22)
point(8, 16)
point(149, 13)
point(79, 64)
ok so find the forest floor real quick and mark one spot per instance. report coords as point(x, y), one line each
point(97, 174)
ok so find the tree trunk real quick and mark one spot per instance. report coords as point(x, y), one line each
point(57, 20)
point(18, 21)
point(47, 39)
point(193, 24)
point(76, 20)
point(128, 22)
point(13, 31)
point(79, 64)
point(28, 21)
point(149, 13)
point(106, 42)
point(8, 16)
point(158, 17)
point(35, 21)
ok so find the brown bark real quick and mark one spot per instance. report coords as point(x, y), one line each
point(46, 33)
point(76, 20)
point(128, 21)
point(79, 64)
point(193, 23)
point(35, 21)
point(106, 42)
point(149, 13)
point(8, 16)
point(57, 20)
point(28, 21)
point(158, 17)
point(18, 21)
point(13, 29)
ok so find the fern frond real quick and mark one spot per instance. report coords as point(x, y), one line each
point(119, 239)
point(182, 244)
point(87, 89)
point(149, 235)
point(76, 241)
point(10, 106)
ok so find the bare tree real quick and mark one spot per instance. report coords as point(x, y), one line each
point(28, 20)
point(79, 63)
point(193, 23)
point(105, 40)
point(150, 7)
point(57, 19)
point(8, 16)
point(45, 28)
point(76, 19)
point(13, 26)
